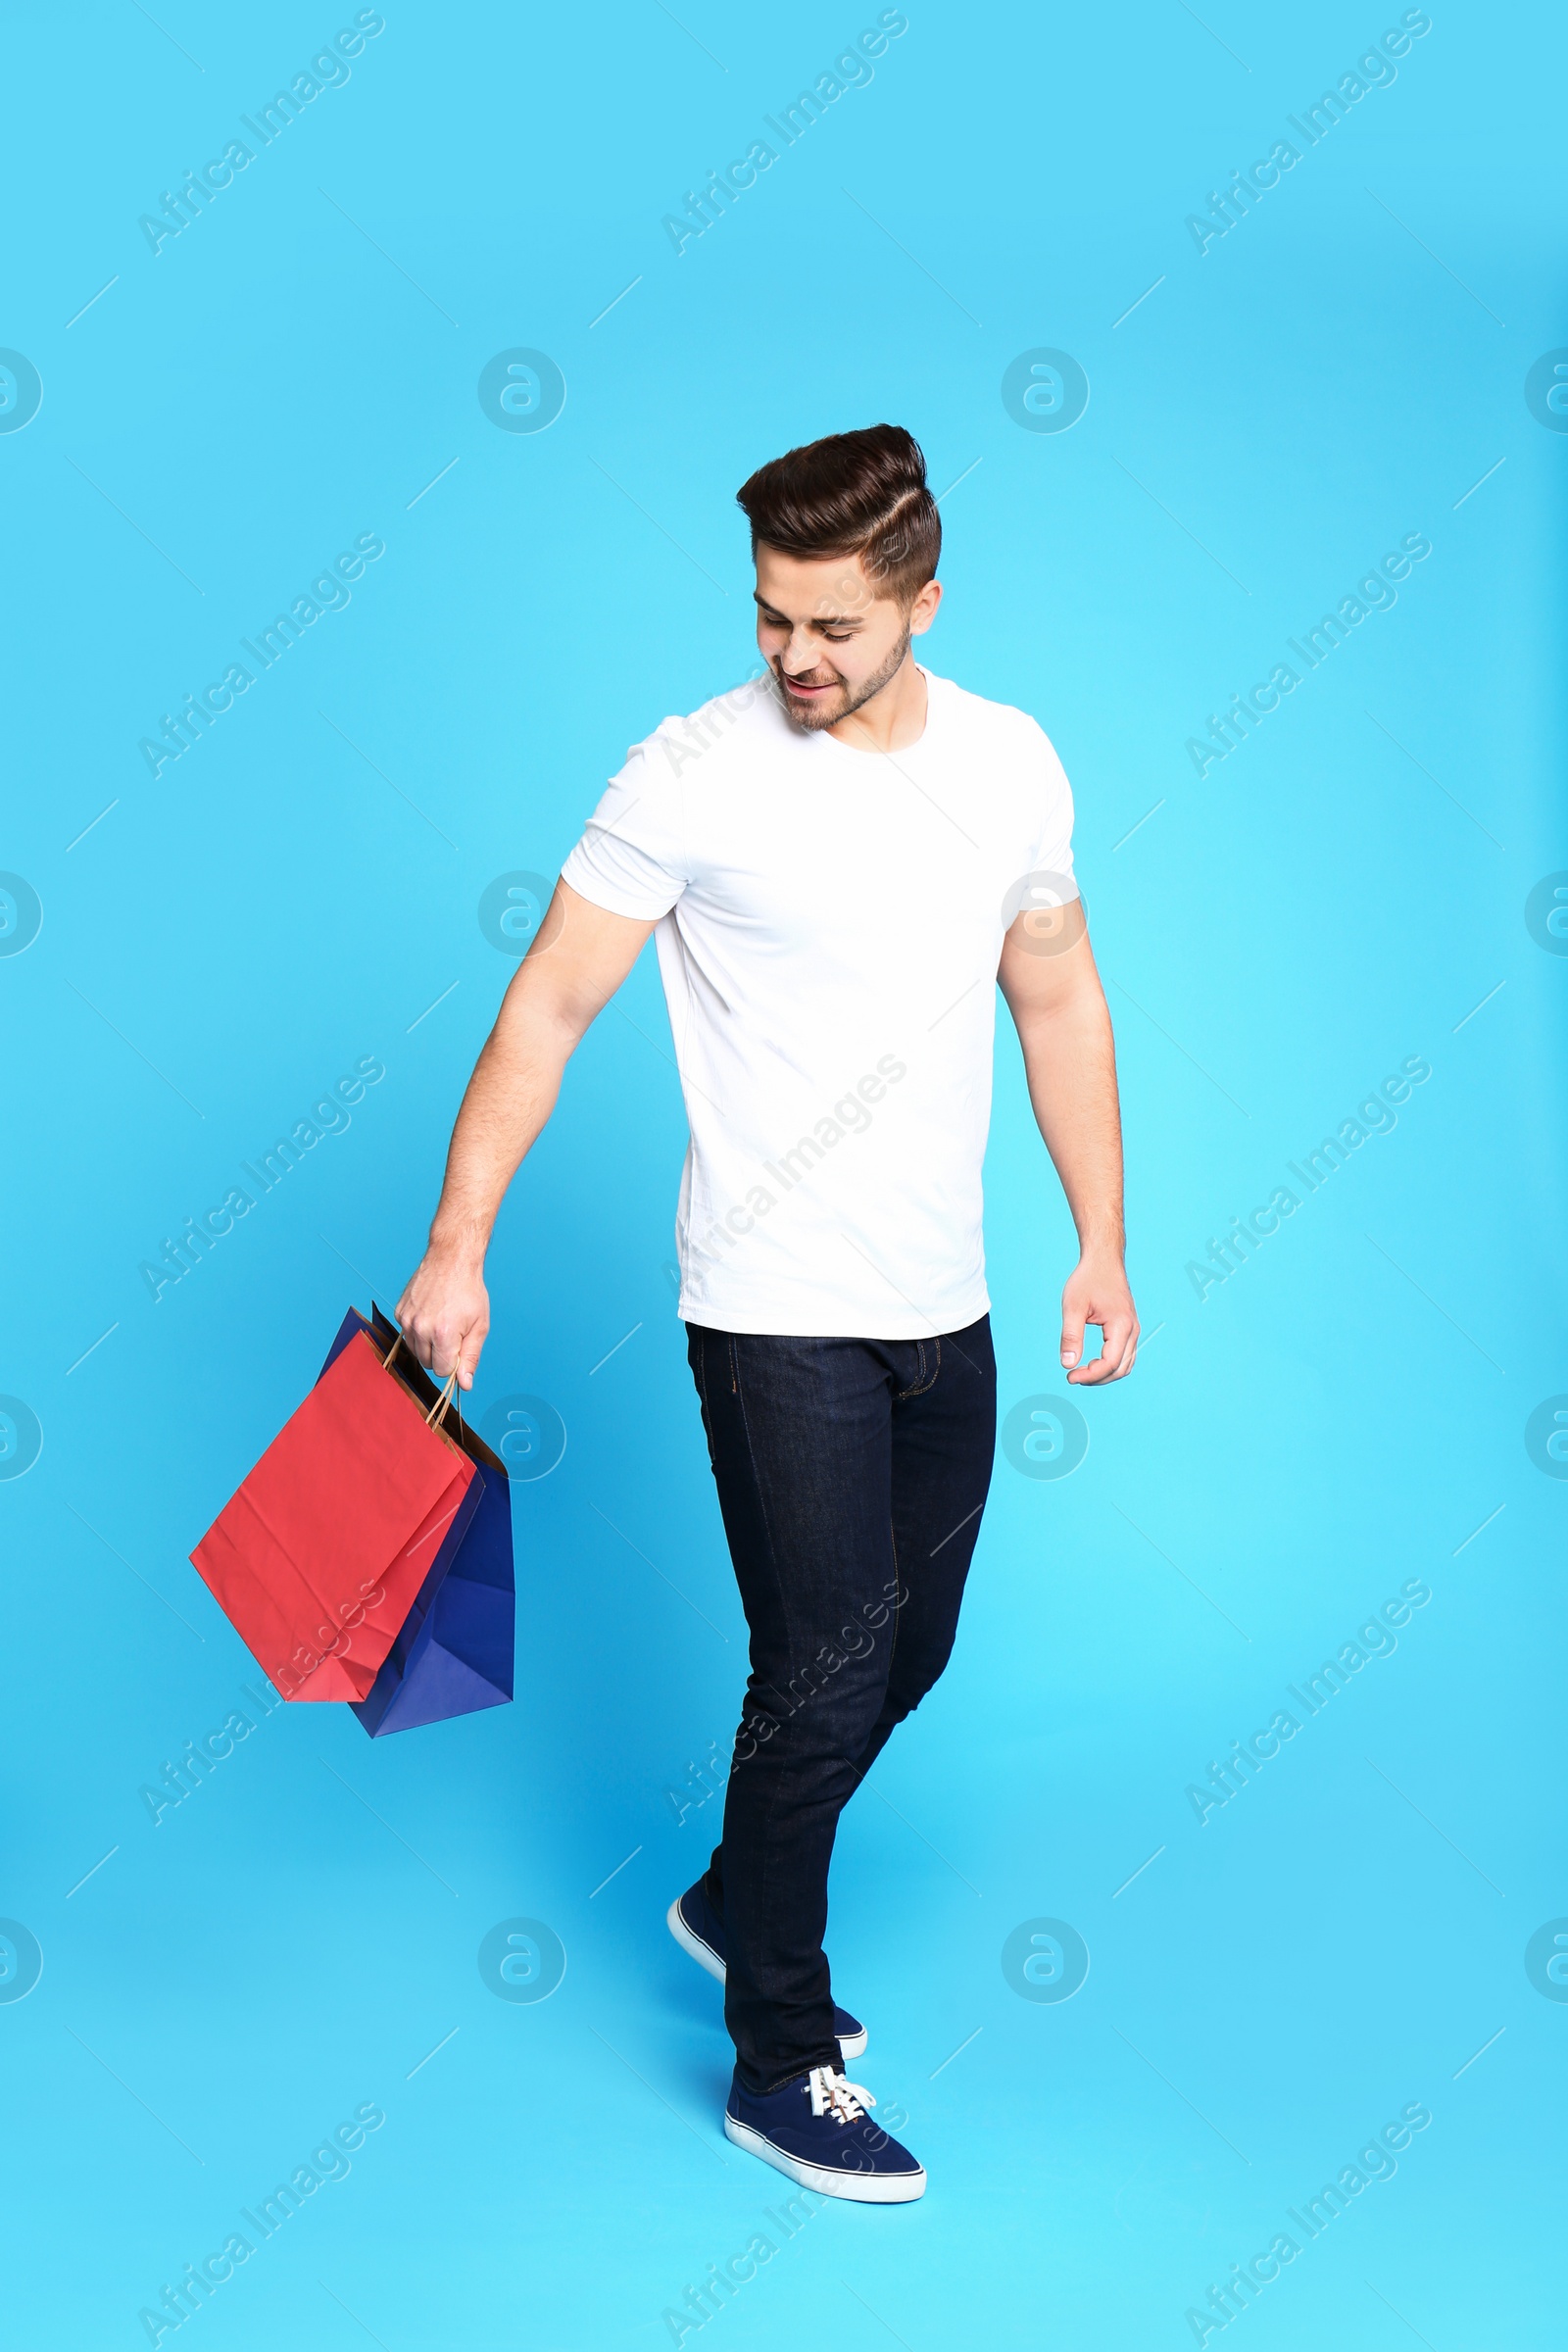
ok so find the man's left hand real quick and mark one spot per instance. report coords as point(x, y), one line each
point(1096, 1293)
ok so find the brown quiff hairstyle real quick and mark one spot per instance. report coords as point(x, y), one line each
point(852, 494)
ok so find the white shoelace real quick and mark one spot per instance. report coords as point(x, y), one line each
point(832, 2094)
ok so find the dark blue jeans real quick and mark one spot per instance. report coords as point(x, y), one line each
point(852, 1475)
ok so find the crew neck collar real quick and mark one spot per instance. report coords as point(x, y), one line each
point(851, 750)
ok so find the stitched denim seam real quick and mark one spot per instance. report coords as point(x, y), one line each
point(699, 1368)
point(789, 1638)
point(898, 1587)
point(922, 1386)
point(760, 1492)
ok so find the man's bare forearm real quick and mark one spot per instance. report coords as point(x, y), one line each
point(578, 959)
point(1070, 1062)
point(445, 1308)
point(1052, 989)
point(1069, 1057)
point(512, 1092)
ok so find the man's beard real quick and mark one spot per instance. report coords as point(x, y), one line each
point(814, 716)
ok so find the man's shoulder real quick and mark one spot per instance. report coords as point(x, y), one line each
point(746, 717)
point(1000, 722)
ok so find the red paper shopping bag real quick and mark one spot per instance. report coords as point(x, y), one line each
point(318, 1559)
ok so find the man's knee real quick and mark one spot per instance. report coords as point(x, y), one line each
point(846, 1671)
point(914, 1673)
point(828, 1702)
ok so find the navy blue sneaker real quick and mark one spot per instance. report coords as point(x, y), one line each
point(697, 1929)
point(816, 2129)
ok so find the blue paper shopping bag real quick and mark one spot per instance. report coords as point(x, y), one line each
point(454, 1652)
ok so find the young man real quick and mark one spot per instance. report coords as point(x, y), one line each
point(838, 863)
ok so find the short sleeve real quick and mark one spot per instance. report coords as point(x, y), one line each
point(632, 858)
point(1050, 814)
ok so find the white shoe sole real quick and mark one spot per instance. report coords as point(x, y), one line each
point(851, 2045)
point(861, 2188)
point(702, 1954)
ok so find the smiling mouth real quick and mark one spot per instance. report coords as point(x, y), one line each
point(804, 689)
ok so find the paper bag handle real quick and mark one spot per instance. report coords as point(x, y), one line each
point(438, 1411)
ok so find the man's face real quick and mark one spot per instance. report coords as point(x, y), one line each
point(829, 637)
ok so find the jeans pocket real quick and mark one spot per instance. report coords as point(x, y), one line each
point(928, 1366)
point(696, 1357)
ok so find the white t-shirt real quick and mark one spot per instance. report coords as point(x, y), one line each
point(830, 926)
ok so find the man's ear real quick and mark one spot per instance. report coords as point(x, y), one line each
point(923, 610)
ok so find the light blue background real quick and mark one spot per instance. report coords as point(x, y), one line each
point(1339, 893)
